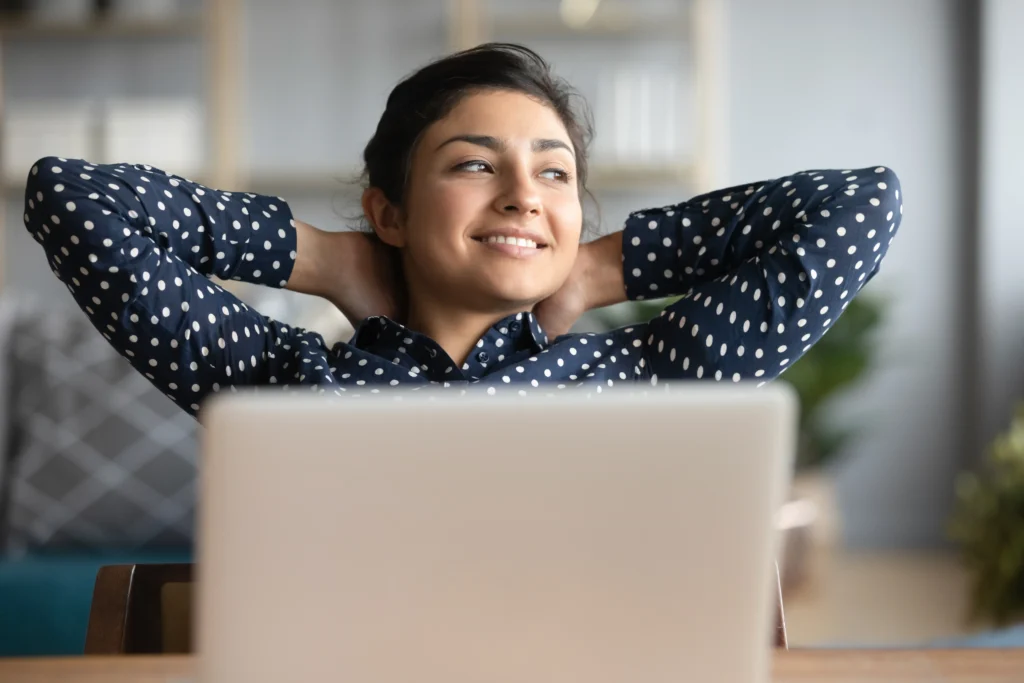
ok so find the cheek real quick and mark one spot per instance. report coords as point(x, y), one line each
point(443, 212)
point(428, 225)
point(567, 223)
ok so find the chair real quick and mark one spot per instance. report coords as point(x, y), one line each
point(146, 609)
point(781, 637)
point(141, 609)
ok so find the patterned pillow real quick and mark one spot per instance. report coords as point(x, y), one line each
point(96, 458)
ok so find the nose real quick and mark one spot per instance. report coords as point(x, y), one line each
point(519, 195)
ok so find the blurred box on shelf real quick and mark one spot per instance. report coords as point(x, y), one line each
point(165, 133)
point(148, 10)
point(638, 117)
point(13, 8)
point(35, 129)
point(62, 11)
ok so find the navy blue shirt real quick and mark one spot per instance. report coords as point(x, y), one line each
point(763, 271)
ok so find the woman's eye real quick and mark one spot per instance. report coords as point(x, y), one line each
point(556, 174)
point(473, 166)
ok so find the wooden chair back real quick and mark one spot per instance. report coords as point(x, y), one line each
point(141, 609)
point(781, 638)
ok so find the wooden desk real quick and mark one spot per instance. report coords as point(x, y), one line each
point(795, 666)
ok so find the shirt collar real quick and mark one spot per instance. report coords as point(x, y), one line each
point(508, 337)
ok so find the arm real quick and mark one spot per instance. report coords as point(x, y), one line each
point(135, 246)
point(764, 270)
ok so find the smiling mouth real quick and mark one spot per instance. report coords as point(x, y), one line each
point(511, 241)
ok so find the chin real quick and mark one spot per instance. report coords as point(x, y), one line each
point(517, 301)
point(522, 292)
point(501, 289)
point(512, 298)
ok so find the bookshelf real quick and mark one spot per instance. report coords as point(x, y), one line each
point(220, 27)
point(214, 25)
point(21, 28)
point(694, 25)
point(602, 177)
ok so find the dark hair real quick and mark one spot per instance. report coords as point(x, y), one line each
point(431, 93)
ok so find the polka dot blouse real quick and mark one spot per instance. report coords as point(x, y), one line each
point(763, 271)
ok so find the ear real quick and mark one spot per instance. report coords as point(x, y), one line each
point(384, 217)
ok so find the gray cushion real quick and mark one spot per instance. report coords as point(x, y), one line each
point(97, 458)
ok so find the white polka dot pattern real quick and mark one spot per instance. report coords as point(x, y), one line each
point(763, 270)
point(765, 267)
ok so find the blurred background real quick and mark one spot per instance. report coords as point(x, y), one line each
point(906, 525)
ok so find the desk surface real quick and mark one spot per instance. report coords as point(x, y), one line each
point(794, 666)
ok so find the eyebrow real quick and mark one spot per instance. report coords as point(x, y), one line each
point(500, 145)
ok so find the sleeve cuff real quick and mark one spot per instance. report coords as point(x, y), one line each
point(649, 255)
point(268, 241)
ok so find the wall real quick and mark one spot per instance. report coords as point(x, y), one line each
point(840, 85)
point(1002, 234)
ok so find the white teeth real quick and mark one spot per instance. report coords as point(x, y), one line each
point(519, 242)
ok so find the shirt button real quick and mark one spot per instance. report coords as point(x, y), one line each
point(432, 352)
point(483, 357)
point(514, 327)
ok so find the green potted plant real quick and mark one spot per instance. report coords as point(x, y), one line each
point(988, 525)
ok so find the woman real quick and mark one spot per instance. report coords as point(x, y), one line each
point(475, 178)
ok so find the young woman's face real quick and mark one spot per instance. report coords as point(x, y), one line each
point(492, 216)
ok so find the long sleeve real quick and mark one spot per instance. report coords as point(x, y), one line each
point(135, 245)
point(763, 270)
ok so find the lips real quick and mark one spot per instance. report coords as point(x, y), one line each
point(520, 236)
point(515, 247)
point(510, 240)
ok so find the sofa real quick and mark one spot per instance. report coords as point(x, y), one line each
point(96, 467)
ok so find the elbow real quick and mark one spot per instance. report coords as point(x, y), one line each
point(41, 185)
point(889, 196)
point(886, 201)
point(52, 185)
point(877, 206)
point(44, 167)
point(37, 191)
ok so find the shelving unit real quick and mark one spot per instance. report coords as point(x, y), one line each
point(215, 26)
point(696, 22)
point(470, 22)
point(695, 26)
point(619, 22)
point(20, 28)
point(601, 177)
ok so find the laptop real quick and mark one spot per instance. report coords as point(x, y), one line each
point(414, 537)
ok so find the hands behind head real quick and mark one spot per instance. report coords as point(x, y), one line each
point(368, 282)
point(560, 311)
point(595, 281)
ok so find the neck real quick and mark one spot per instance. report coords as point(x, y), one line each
point(455, 330)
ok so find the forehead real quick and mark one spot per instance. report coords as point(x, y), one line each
point(510, 115)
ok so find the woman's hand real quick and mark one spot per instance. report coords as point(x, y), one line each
point(353, 270)
point(560, 311)
point(370, 283)
point(595, 281)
